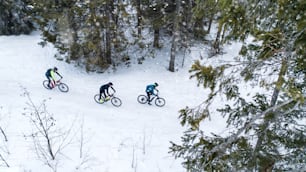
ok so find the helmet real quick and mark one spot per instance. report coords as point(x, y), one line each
point(110, 83)
point(156, 84)
point(55, 68)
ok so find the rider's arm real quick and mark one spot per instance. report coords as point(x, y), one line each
point(113, 89)
point(107, 92)
point(156, 91)
point(59, 75)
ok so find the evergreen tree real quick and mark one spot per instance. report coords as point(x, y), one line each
point(267, 131)
point(160, 16)
point(204, 13)
point(104, 32)
point(89, 32)
point(14, 17)
point(48, 15)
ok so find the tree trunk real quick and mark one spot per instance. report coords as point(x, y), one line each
point(139, 18)
point(223, 34)
point(114, 22)
point(175, 36)
point(99, 48)
point(74, 50)
point(210, 23)
point(108, 52)
point(156, 37)
point(198, 27)
point(266, 123)
point(108, 43)
point(216, 44)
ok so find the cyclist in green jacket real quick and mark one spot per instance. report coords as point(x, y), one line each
point(50, 74)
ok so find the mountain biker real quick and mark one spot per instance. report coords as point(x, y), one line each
point(104, 89)
point(50, 74)
point(150, 90)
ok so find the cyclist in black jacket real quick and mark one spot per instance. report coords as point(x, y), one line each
point(104, 90)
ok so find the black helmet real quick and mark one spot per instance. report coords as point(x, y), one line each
point(111, 84)
point(156, 84)
point(55, 68)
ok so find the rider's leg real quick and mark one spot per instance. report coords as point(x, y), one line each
point(49, 82)
point(149, 97)
point(106, 96)
point(102, 91)
point(100, 94)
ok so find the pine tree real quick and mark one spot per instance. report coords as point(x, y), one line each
point(89, 32)
point(15, 18)
point(48, 15)
point(267, 128)
point(159, 14)
point(204, 13)
point(104, 33)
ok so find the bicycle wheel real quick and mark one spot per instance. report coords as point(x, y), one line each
point(63, 87)
point(116, 101)
point(142, 99)
point(160, 102)
point(45, 84)
point(96, 97)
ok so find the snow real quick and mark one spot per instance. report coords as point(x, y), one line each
point(130, 138)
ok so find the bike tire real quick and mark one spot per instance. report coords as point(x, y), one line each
point(97, 100)
point(63, 87)
point(116, 101)
point(142, 99)
point(45, 84)
point(160, 102)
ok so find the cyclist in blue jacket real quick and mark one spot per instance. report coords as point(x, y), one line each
point(150, 90)
point(50, 74)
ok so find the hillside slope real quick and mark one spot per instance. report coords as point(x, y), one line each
point(133, 137)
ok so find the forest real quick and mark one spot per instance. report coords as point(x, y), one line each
point(269, 129)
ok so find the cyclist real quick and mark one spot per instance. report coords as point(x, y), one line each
point(50, 74)
point(150, 90)
point(104, 89)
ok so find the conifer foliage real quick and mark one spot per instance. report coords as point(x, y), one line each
point(14, 17)
point(266, 129)
point(88, 31)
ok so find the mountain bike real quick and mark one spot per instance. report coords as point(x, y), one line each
point(114, 100)
point(61, 86)
point(158, 100)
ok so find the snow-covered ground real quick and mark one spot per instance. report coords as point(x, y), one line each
point(131, 138)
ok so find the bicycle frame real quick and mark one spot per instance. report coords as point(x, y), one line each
point(153, 96)
point(61, 86)
point(112, 98)
point(158, 100)
point(56, 83)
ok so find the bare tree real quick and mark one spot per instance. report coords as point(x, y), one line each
point(3, 146)
point(85, 157)
point(4, 152)
point(48, 139)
